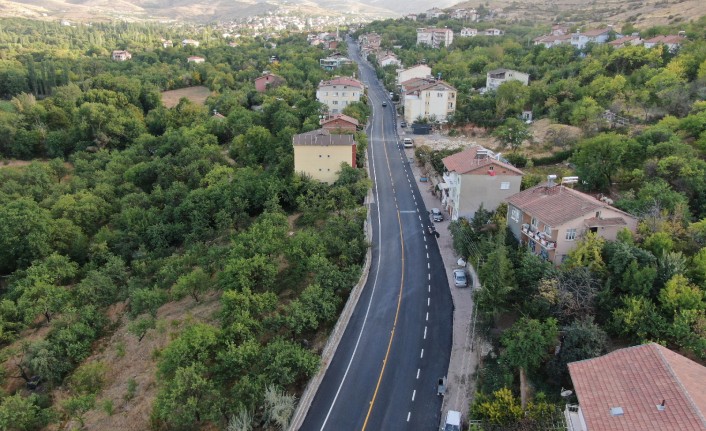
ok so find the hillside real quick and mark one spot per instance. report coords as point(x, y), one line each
point(640, 13)
point(203, 10)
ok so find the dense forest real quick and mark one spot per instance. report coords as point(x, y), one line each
point(647, 286)
point(128, 205)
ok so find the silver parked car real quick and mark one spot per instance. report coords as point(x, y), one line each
point(460, 279)
point(436, 215)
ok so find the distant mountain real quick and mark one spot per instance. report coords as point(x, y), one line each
point(206, 10)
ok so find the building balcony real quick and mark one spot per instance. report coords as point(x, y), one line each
point(574, 418)
point(541, 238)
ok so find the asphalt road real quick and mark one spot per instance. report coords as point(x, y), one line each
point(398, 341)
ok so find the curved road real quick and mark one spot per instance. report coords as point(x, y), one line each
point(398, 341)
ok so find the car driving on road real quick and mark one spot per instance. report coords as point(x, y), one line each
point(384, 104)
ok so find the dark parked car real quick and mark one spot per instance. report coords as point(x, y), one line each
point(384, 104)
point(403, 123)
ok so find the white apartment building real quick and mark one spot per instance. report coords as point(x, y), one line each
point(496, 77)
point(434, 37)
point(417, 71)
point(469, 32)
point(428, 98)
point(339, 92)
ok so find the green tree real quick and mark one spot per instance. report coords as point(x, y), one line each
point(527, 345)
point(25, 231)
point(512, 133)
point(497, 279)
point(19, 413)
point(599, 159)
point(188, 400)
point(193, 284)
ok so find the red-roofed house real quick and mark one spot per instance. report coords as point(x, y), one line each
point(580, 40)
point(672, 42)
point(476, 177)
point(339, 92)
point(550, 218)
point(195, 59)
point(339, 123)
point(267, 81)
point(626, 41)
point(640, 388)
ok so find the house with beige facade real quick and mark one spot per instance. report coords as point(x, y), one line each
point(339, 92)
point(319, 154)
point(416, 71)
point(477, 177)
point(428, 99)
point(550, 218)
point(121, 55)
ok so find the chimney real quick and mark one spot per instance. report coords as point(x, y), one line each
point(550, 180)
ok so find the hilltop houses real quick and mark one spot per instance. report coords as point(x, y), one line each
point(494, 32)
point(339, 92)
point(560, 36)
point(671, 42)
point(435, 37)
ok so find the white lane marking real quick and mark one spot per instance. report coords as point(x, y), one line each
point(414, 394)
point(427, 316)
point(421, 355)
point(372, 293)
point(418, 370)
point(426, 246)
point(408, 415)
point(425, 332)
point(428, 265)
point(420, 218)
point(429, 288)
point(428, 300)
point(427, 255)
point(429, 277)
point(425, 238)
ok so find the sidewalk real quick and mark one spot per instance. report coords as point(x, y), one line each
point(464, 359)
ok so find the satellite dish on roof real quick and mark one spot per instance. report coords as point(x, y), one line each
point(565, 393)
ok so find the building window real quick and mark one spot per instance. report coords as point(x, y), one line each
point(571, 234)
point(548, 230)
point(335, 102)
point(534, 222)
point(505, 185)
point(490, 168)
point(515, 214)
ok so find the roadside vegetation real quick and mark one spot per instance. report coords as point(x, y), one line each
point(128, 208)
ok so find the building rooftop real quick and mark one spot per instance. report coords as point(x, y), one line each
point(352, 82)
point(557, 204)
point(624, 390)
point(474, 159)
point(343, 117)
point(321, 137)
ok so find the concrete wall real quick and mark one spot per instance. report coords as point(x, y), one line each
point(323, 162)
point(477, 189)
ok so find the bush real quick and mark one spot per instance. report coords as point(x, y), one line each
point(553, 159)
point(517, 159)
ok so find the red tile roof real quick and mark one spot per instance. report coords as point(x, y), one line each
point(469, 161)
point(595, 32)
point(623, 40)
point(637, 379)
point(669, 39)
point(342, 117)
point(342, 80)
point(557, 205)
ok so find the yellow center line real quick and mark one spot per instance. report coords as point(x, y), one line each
point(399, 302)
